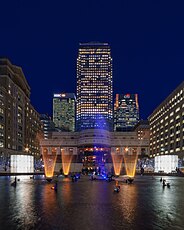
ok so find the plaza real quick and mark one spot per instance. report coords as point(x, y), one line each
point(91, 205)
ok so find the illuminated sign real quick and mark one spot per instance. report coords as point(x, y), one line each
point(60, 95)
point(127, 96)
point(57, 95)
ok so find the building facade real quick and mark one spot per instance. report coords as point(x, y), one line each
point(167, 128)
point(92, 148)
point(19, 121)
point(64, 111)
point(48, 126)
point(94, 87)
point(126, 112)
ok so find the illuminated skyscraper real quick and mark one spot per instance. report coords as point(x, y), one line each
point(64, 111)
point(94, 87)
point(126, 112)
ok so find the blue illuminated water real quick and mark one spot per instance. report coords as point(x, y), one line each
point(89, 205)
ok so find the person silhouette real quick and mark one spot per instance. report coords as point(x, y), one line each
point(164, 182)
point(14, 183)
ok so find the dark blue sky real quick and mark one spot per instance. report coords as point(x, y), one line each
point(146, 38)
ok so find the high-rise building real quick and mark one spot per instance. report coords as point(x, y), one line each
point(94, 87)
point(126, 112)
point(48, 125)
point(167, 132)
point(19, 121)
point(64, 111)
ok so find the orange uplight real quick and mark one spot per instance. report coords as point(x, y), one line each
point(117, 163)
point(66, 161)
point(130, 160)
point(49, 160)
point(126, 149)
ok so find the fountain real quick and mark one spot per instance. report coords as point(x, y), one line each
point(117, 160)
point(130, 159)
point(49, 160)
point(66, 161)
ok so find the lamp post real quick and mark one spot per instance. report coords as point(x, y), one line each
point(26, 149)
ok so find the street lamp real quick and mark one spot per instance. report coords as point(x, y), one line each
point(26, 149)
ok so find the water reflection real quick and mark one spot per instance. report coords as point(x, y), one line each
point(128, 203)
point(168, 204)
point(22, 208)
point(48, 207)
point(91, 205)
point(66, 187)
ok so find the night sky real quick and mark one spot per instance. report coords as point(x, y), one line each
point(146, 39)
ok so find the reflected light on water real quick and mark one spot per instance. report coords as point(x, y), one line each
point(129, 205)
point(23, 209)
point(49, 201)
point(49, 162)
point(144, 204)
point(66, 191)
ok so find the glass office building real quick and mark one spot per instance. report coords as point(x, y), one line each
point(64, 111)
point(126, 112)
point(94, 87)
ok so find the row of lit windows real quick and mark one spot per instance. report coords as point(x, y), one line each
point(98, 68)
point(168, 106)
point(92, 104)
point(97, 84)
point(172, 120)
point(94, 111)
point(98, 92)
point(170, 130)
point(94, 62)
point(83, 58)
point(90, 108)
point(85, 53)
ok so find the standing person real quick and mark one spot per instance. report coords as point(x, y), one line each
point(142, 171)
point(14, 183)
point(164, 182)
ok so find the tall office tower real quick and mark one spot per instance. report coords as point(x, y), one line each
point(48, 126)
point(94, 87)
point(126, 112)
point(19, 121)
point(64, 111)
